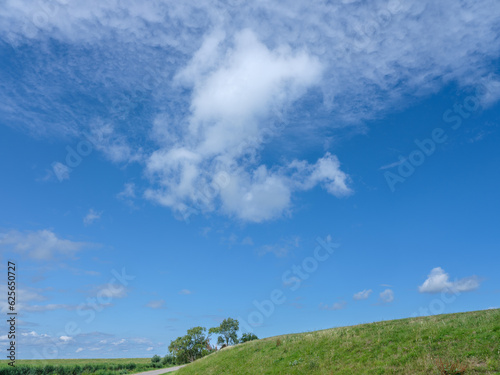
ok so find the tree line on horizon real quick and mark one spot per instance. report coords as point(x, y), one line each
point(195, 343)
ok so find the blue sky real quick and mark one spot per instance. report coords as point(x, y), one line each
point(298, 168)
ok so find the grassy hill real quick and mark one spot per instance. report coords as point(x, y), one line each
point(407, 346)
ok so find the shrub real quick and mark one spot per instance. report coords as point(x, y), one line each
point(131, 366)
point(169, 359)
point(278, 342)
point(248, 337)
point(450, 367)
point(156, 359)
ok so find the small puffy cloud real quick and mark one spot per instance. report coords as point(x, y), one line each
point(128, 191)
point(325, 172)
point(79, 350)
point(364, 294)
point(185, 292)
point(91, 216)
point(40, 245)
point(387, 296)
point(439, 281)
point(61, 171)
point(65, 338)
point(149, 349)
point(156, 304)
point(336, 306)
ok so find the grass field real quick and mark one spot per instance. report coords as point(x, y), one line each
point(407, 346)
point(74, 362)
point(119, 366)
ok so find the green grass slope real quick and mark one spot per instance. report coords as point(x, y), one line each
point(407, 346)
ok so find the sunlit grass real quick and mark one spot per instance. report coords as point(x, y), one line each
point(407, 346)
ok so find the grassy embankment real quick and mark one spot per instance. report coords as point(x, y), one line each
point(408, 346)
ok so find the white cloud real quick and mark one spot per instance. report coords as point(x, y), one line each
point(119, 342)
point(91, 216)
point(156, 304)
point(40, 245)
point(281, 249)
point(249, 80)
point(48, 307)
point(247, 241)
point(79, 350)
point(110, 291)
point(394, 164)
point(28, 294)
point(217, 74)
point(65, 338)
point(128, 191)
point(34, 334)
point(149, 348)
point(61, 171)
point(185, 292)
point(386, 296)
point(336, 306)
point(364, 294)
point(439, 281)
point(233, 90)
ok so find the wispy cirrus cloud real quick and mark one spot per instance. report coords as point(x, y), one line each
point(41, 245)
point(335, 306)
point(282, 248)
point(156, 304)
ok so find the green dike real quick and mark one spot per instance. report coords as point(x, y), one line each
point(406, 346)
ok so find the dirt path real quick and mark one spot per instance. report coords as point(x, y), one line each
point(160, 371)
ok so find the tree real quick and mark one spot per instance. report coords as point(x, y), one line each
point(190, 347)
point(248, 337)
point(227, 331)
